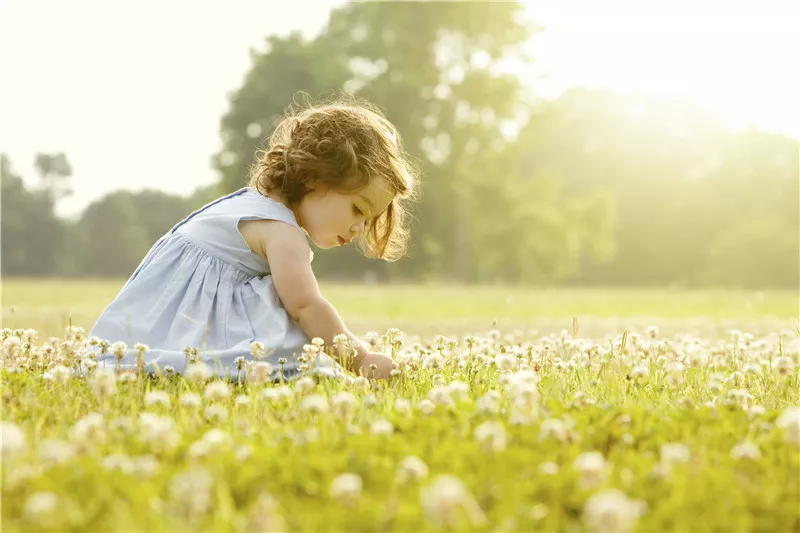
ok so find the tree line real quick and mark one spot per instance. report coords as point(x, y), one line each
point(594, 187)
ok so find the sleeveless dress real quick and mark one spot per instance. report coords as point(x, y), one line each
point(201, 286)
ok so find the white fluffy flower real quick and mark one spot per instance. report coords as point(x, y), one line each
point(217, 390)
point(675, 452)
point(440, 395)
point(491, 436)
point(402, 405)
point(213, 441)
point(242, 400)
point(274, 394)
point(198, 371)
point(382, 428)
point(488, 404)
point(191, 492)
point(426, 406)
point(746, 450)
point(216, 413)
point(12, 439)
point(60, 374)
point(458, 390)
point(314, 403)
point(146, 466)
point(118, 462)
point(789, 422)
point(611, 511)
point(305, 384)
point(41, 509)
point(592, 467)
point(157, 397)
point(554, 428)
point(446, 498)
point(158, 432)
point(89, 430)
point(346, 488)
point(259, 372)
point(56, 451)
point(190, 400)
point(411, 468)
point(506, 362)
point(103, 383)
point(522, 386)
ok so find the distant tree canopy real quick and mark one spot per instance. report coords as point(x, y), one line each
point(433, 68)
point(593, 187)
point(30, 232)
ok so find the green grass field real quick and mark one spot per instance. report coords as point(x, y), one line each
point(687, 427)
point(49, 305)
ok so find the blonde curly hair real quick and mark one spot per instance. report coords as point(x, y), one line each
point(342, 145)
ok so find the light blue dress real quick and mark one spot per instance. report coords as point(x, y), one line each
point(201, 286)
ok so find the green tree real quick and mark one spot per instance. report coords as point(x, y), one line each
point(681, 181)
point(436, 69)
point(155, 211)
point(31, 232)
point(113, 238)
point(54, 171)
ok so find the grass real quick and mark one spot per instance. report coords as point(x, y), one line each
point(502, 433)
point(545, 429)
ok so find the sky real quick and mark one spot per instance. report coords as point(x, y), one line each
point(133, 91)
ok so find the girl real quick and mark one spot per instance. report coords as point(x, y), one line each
point(236, 274)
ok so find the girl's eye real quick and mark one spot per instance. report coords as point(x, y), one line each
point(356, 210)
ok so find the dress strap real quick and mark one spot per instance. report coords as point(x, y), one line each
point(215, 202)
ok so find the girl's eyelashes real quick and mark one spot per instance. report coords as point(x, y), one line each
point(357, 211)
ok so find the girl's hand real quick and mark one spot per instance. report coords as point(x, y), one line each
point(383, 366)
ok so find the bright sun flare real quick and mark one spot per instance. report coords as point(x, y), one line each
point(735, 64)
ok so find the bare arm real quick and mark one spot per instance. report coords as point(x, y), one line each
point(289, 258)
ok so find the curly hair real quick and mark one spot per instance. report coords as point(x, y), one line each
point(342, 145)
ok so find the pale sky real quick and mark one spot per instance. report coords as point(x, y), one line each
point(133, 91)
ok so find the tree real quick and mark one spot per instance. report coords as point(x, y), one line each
point(54, 171)
point(31, 233)
point(113, 238)
point(436, 69)
point(682, 183)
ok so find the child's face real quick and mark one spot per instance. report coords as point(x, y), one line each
point(331, 218)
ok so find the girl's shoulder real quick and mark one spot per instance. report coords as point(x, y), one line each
point(248, 204)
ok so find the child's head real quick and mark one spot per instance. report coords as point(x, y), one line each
point(341, 168)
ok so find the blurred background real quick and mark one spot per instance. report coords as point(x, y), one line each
point(561, 143)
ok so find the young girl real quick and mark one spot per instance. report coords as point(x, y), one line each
point(237, 272)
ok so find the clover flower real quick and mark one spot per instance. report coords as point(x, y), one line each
point(411, 468)
point(314, 404)
point(157, 398)
point(42, 509)
point(190, 400)
point(346, 489)
point(611, 511)
point(446, 500)
point(746, 450)
point(592, 468)
point(12, 439)
point(789, 422)
point(217, 390)
point(381, 428)
point(491, 437)
point(103, 383)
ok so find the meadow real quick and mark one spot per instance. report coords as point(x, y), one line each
point(514, 409)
